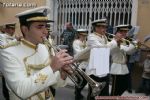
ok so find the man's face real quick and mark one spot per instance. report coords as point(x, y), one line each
point(101, 29)
point(123, 33)
point(36, 32)
point(82, 37)
point(69, 26)
point(10, 31)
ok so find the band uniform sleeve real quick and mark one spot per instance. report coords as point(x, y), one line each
point(129, 49)
point(76, 47)
point(94, 40)
point(16, 77)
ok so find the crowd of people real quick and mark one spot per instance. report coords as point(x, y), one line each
point(32, 69)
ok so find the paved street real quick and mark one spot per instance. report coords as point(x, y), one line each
point(67, 93)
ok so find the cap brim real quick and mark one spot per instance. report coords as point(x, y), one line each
point(124, 29)
point(48, 21)
point(100, 24)
point(85, 34)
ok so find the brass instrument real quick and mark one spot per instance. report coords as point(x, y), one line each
point(78, 74)
point(131, 42)
point(97, 87)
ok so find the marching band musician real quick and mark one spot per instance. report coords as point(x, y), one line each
point(6, 37)
point(8, 33)
point(119, 70)
point(98, 38)
point(27, 66)
point(79, 45)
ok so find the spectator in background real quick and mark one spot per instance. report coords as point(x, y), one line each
point(132, 63)
point(68, 36)
point(110, 29)
point(145, 84)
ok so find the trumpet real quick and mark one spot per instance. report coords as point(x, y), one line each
point(128, 41)
point(78, 74)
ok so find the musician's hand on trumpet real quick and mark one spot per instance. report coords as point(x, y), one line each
point(61, 60)
point(65, 70)
point(121, 37)
point(136, 42)
point(118, 37)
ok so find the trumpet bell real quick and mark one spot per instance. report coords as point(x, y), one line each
point(96, 89)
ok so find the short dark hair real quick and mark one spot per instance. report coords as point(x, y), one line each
point(26, 25)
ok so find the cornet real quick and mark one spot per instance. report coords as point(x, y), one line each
point(78, 74)
point(130, 42)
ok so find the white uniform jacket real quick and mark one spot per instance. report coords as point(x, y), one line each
point(27, 71)
point(5, 39)
point(119, 59)
point(95, 40)
point(101, 41)
point(79, 46)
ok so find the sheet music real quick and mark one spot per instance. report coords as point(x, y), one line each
point(99, 60)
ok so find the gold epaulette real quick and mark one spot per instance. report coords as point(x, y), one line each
point(13, 43)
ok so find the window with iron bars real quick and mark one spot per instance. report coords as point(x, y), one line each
point(82, 12)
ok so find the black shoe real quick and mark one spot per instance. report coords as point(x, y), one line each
point(79, 97)
point(147, 94)
point(129, 90)
point(139, 91)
